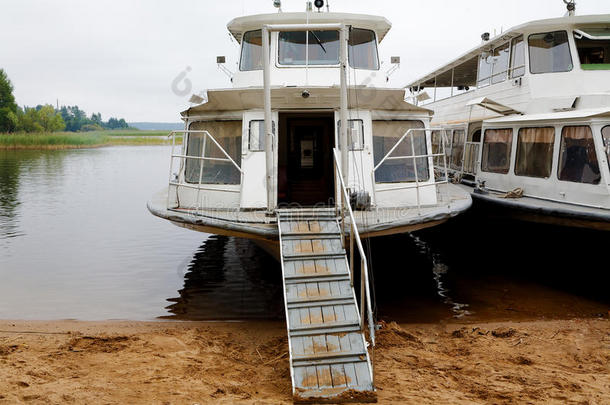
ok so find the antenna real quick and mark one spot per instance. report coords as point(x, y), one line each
point(278, 4)
point(571, 6)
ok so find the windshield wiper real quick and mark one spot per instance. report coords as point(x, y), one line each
point(318, 41)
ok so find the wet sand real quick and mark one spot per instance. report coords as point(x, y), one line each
point(543, 361)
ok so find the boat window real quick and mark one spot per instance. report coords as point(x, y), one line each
point(385, 136)
point(497, 145)
point(355, 134)
point(517, 57)
point(321, 48)
point(485, 65)
point(593, 47)
point(535, 152)
point(251, 51)
point(606, 139)
point(500, 64)
point(256, 135)
point(577, 158)
point(457, 151)
point(228, 136)
point(550, 52)
point(363, 49)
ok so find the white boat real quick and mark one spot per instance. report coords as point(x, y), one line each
point(526, 114)
point(306, 154)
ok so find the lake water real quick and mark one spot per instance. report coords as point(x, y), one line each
point(77, 242)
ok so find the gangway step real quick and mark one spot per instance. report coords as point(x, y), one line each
point(329, 360)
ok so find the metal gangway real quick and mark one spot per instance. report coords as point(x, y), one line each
point(329, 356)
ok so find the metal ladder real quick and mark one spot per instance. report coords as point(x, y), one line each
point(329, 361)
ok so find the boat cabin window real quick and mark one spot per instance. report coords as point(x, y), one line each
point(577, 158)
point(457, 151)
point(535, 152)
point(386, 134)
point(221, 171)
point(500, 63)
point(606, 139)
point(593, 48)
point(497, 145)
point(251, 51)
point(355, 134)
point(299, 48)
point(485, 65)
point(517, 57)
point(362, 52)
point(550, 52)
point(256, 136)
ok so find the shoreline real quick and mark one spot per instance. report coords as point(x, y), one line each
point(121, 361)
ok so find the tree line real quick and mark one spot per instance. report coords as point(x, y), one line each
point(46, 118)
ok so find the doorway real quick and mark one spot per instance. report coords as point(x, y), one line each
point(305, 159)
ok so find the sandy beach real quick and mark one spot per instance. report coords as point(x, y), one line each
point(117, 362)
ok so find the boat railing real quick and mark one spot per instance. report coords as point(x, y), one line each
point(178, 181)
point(354, 238)
point(418, 183)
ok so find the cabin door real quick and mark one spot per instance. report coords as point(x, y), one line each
point(306, 159)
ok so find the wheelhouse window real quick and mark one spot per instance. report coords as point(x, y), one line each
point(484, 72)
point(517, 57)
point(593, 47)
point(535, 152)
point(399, 167)
point(355, 134)
point(251, 51)
point(299, 48)
point(550, 52)
point(362, 52)
point(497, 145)
point(577, 158)
point(606, 139)
point(500, 63)
point(457, 151)
point(219, 170)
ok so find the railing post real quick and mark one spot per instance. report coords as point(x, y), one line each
point(268, 122)
point(362, 294)
point(416, 175)
point(171, 166)
point(351, 254)
point(205, 137)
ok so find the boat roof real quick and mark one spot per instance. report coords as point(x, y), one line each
point(239, 25)
point(555, 116)
point(466, 63)
point(320, 98)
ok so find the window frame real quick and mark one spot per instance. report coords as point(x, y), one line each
point(349, 47)
point(511, 67)
point(350, 149)
point(510, 150)
point(606, 144)
point(559, 158)
point(503, 75)
point(529, 52)
point(314, 66)
point(241, 52)
point(518, 137)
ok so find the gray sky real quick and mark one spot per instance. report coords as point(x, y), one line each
point(119, 57)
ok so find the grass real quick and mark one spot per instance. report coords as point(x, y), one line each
point(68, 140)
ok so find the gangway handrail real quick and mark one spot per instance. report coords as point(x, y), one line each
point(365, 293)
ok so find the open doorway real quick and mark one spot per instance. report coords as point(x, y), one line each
point(305, 157)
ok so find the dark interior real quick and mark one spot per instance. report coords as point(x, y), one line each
point(305, 158)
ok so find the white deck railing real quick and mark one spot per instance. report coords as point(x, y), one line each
point(178, 183)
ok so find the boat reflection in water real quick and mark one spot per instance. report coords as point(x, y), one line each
point(229, 279)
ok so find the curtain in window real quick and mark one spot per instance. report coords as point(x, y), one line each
point(577, 159)
point(535, 152)
point(228, 136)
point(496, 150)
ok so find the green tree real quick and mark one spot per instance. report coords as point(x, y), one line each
point(8, 107)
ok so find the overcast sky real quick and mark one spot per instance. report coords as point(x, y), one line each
point(119, 57)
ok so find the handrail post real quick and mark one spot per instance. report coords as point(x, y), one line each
point(416, 174)
point(351, 254)
point(171, 165)
point(362, 294)
point(205, 137)
point(268, 123)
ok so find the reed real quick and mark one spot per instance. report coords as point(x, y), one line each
point(68, 140)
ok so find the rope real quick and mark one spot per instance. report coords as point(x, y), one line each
point(516, 193)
